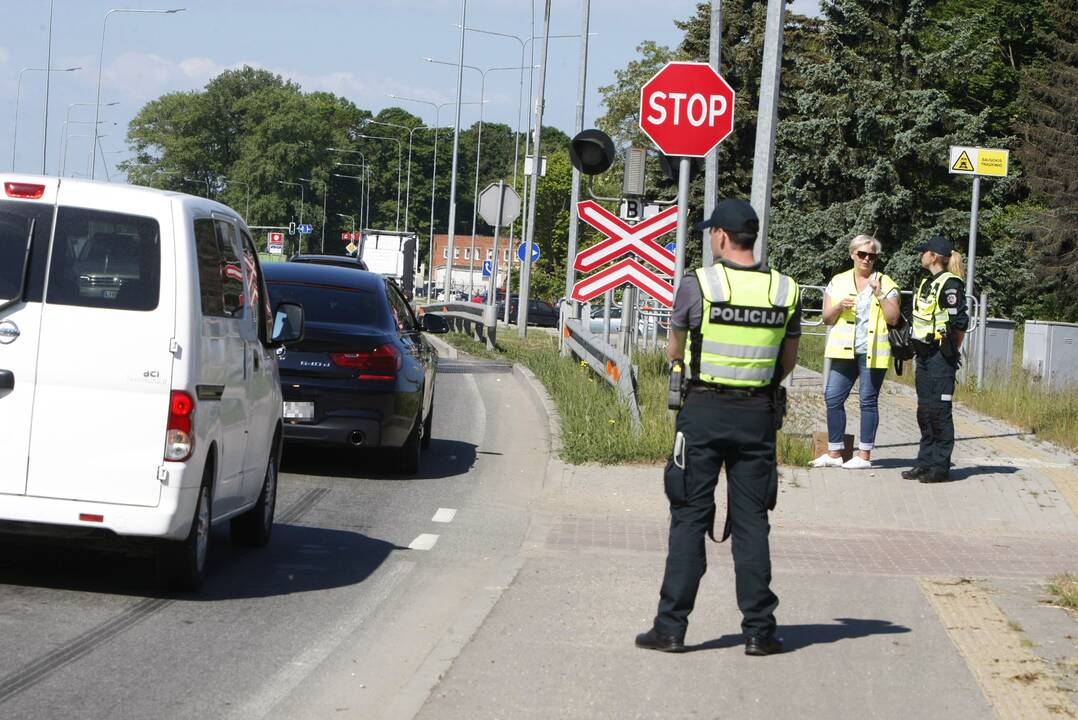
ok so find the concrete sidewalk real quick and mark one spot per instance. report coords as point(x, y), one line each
point(897, 599)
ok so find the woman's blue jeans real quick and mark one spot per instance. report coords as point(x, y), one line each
point(844, 373)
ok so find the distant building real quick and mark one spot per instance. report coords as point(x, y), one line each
point(463, 259)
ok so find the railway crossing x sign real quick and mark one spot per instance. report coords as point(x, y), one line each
point(625, 239)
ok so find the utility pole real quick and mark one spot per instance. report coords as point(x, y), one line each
point(526, 267)
point(456, 151)
point(581, 93)
point(763, 164)
point(711, 166)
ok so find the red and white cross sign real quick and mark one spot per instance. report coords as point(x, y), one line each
point(625, 239)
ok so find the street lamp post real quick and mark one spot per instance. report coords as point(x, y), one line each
point(101, 57)
point(63, 140)
point(397, 222)
point(478, 156)
point(63, 135)
point(247, 209)
point(300, 186)
point(358, 178)
point(433, 176)
point(325, 194)
point(352, 218)
point(408, 173)
point(456, 147)
point(524, 42)
point(18, 98)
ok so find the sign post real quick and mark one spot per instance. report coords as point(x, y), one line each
point(686, 109)
point(499, 205)
point(976, 161)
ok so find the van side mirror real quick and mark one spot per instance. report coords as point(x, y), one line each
point(433, 324)
point(287, 324)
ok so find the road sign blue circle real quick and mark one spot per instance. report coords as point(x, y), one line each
point(535, 251)
point(488, 268)
point(671, 246)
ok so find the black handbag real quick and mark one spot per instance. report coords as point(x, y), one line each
point(900, 335)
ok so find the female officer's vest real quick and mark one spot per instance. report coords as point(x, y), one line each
point(841, 336)
point(744, 321)
point(928, 316)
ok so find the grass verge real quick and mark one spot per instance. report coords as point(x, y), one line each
point(596, 426)
point(1065, 589)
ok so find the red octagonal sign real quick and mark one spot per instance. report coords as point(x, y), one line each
point(687, 109)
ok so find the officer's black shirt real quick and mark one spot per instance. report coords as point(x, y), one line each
point(688, 315)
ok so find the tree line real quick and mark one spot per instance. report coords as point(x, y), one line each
point(873, 93)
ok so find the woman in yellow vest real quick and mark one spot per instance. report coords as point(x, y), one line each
point(858, 304)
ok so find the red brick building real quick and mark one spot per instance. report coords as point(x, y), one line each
point(463, 258)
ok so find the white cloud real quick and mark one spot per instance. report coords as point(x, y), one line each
point(5, 55)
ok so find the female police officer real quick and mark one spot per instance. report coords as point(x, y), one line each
point(940, 320)
point(743, 324)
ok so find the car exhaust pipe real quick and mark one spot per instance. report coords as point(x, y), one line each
point(356, 438)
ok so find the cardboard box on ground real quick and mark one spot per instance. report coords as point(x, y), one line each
point(819, 445)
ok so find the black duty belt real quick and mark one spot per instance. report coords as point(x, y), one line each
point(703, 387)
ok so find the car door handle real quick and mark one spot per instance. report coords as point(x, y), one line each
point(7, 380)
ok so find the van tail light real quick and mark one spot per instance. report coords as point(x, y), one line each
point(26, 191)
point(179, 439)
point(382, 363)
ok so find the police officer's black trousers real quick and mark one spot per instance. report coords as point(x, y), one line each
point(935, 388)
point(744, 442)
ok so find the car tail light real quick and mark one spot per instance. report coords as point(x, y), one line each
point(382, 363)
point(179, 440)
point(28, 191)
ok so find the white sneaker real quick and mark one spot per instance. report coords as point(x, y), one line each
point(857, 463)
point(826, 460)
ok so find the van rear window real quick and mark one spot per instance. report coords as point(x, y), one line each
point(16, 219)
point(105, 260)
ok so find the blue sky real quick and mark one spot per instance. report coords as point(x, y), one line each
point(360, 49)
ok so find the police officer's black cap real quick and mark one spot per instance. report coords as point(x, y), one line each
point(732, 215)
point(937, 244)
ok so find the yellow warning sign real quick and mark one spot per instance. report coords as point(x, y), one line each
point(963, 163)
point(992, 162)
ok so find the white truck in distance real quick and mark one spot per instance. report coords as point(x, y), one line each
point(392, 254)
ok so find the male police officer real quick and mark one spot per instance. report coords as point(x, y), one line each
point(744, 325)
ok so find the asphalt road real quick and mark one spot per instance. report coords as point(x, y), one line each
point(369, 589)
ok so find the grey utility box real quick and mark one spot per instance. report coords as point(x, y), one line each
point(998, 347)
point(1050, 350)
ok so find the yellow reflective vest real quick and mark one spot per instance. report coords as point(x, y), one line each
point(841, 335)
point(928, 316)
point(745, 315)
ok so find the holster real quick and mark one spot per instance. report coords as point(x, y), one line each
point(778, 405)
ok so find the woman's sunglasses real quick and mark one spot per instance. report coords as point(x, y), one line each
point(866, 255)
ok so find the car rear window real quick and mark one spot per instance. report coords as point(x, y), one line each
point(331, 303)
point(105, 260)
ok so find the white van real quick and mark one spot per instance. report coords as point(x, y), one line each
point(139, 394)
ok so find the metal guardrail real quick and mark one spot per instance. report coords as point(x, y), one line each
point(604, 359)
point(479, 321)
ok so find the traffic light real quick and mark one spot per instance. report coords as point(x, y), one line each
point(671, 165)
point(592, 152)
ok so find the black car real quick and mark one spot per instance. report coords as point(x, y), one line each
point(363, 375)
point(539, 312)
point(346, 261)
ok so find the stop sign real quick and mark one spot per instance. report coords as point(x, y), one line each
point(687, 109)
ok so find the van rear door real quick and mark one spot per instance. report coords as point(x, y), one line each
point(104, 368)
point(26, 212)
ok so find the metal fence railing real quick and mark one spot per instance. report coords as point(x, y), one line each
point(604, 359)
point(479, 321)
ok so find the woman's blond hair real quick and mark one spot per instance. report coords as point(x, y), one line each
point(955, 266)
point(861, 240)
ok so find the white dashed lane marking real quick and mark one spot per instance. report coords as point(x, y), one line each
point(444, 515)
point(424, 542)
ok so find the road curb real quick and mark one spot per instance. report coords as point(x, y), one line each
point(444, 349)
point(544, 404)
